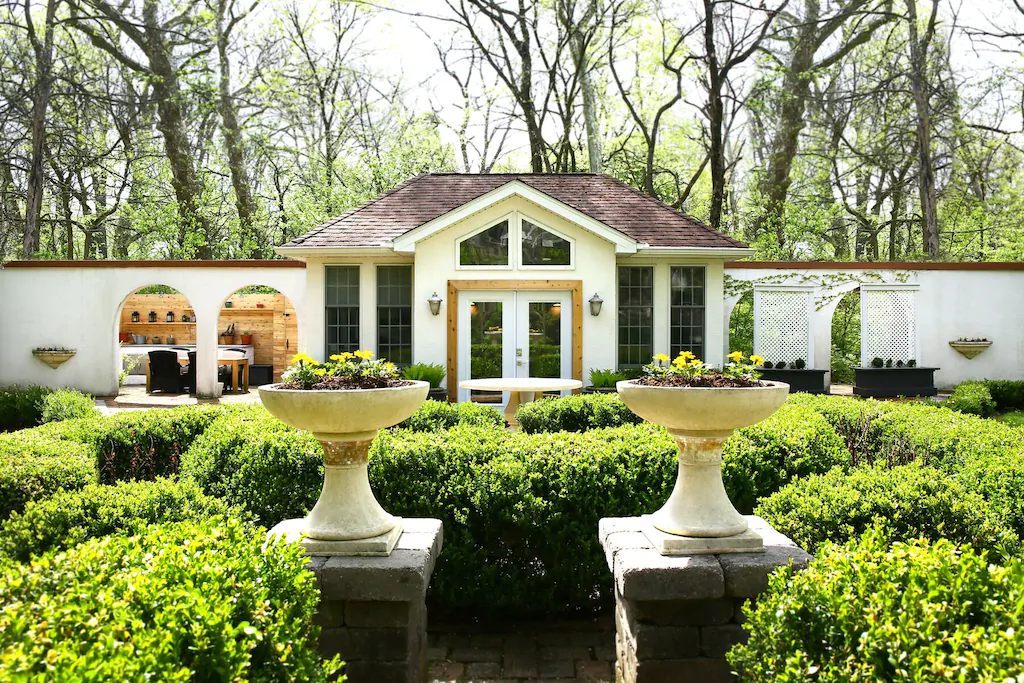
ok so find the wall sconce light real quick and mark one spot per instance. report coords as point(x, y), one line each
point(595, 305)
point(435, 304)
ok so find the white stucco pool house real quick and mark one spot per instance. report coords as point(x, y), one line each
point(515, 275)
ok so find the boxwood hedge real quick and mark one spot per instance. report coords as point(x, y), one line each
point(986, 397)
point(186, 601)
point(71, 517)
point(576, 413)
point(433, 416)
point(903, 503)
point(869, 611)
point(33, 467)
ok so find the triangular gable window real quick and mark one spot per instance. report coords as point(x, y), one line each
point(486, 248)
point(543, 248)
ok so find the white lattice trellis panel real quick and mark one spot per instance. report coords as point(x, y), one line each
point(888, 323)
point(782, 324)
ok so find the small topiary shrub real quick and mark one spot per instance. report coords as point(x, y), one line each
point(434, 416)
point(258, 463)
point(870, 612)
point(795, 441)
point(973, 398)
point(71, 517)
point(903, 503)
point(576, 413)
point(181, 602)
point(1008, 394)
point(66, 404)
point(33, 467)
point(20, 406)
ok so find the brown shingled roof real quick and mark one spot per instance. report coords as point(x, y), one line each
point(601, 197)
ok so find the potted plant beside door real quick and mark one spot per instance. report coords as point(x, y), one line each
point(344, 403)
point(701, 407)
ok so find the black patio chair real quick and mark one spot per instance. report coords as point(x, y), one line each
point(164, 372)
point(189, 378)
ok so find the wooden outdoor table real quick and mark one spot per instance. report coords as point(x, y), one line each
point(521, 390)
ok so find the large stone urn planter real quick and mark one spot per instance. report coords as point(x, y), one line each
point(347, 519)
point(699, 518)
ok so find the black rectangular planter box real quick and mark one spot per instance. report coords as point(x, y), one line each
point(891, 382)
point(807, 380)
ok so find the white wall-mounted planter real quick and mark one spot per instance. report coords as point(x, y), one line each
point(347, 519)
point(970, 349)
point(699, 518)
point(54, 358)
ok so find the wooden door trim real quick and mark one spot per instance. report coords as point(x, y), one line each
point(575, 288)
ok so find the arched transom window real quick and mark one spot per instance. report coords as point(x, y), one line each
point(538, 246)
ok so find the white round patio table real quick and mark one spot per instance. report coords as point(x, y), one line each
point(521, 390)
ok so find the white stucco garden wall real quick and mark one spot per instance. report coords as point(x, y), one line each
point(79, 307)
point(979, 300)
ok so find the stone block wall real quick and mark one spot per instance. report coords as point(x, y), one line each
point(677, 617)
point(372, 609)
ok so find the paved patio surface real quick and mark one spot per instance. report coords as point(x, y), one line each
point(578, 651)
point(134, 396)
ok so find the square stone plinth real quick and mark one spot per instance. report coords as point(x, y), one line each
point(676, 616)
point(372, 611)
point(749, 541)
point(377, 546)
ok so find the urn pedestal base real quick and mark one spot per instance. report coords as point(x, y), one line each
point(749, 541)
point(375, 546)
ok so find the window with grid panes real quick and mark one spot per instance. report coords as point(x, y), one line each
point(636, 315)
point(686, 322)
point(394, 313)
point(341, 305)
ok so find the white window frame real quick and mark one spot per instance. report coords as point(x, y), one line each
point(515, 237)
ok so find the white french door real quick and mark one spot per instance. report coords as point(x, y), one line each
point(505, 333)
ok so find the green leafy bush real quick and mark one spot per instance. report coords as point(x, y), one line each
point(576, 413)
point(1008, 394)
point(433, 416)
point(66, 404)
point(433, 373)
point(973, 398)
point(904, 503)
point(33, 467)
point(71, 517)
point(871, 612)
point(257, 463)
point(605, 379)
point(20, 406)
point(148, 444)
point(520, 511)
point(181, 602)
point(795, 441)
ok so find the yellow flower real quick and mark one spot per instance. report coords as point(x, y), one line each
point(320, 372)
point(697, 364)
point(736, 356)
point(661, 358)
point(365, 355)
point(686, 355)
point(302, 358)
point(757, 360)
point(679, 362)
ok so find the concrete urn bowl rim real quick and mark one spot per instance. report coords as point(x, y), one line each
point(346, 519)
point(698, 517)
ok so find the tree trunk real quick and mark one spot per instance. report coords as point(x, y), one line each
point(716, 118)
point(41, 90)
point(10, 220)
point(194, 229)
point(244, 204)
point(926, 169)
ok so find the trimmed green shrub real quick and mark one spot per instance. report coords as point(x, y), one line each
point(34, 467)
point(871, 612)
point(850, 417)
point(973, 398)
point(795, 441)
point(576, 413)
point(181, 602)
point(71, 517)
point(434, 416)
point(20, 406)
point(258, 463)
point(81, 430)
point(903, 503)
point(520, 511)
point(999, 479)
point(1008, 394)
point(66, 404)
point(941, 438)
point(147, 444)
